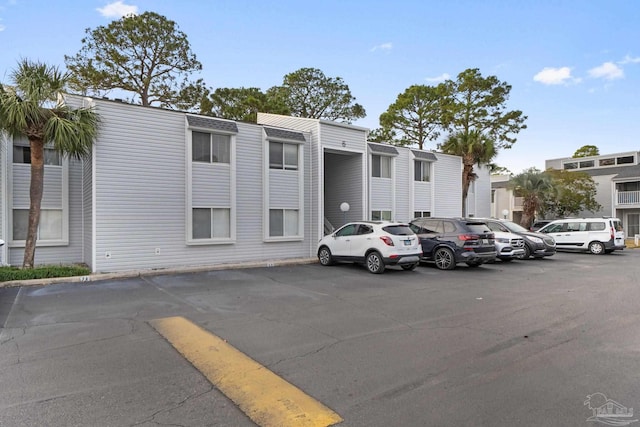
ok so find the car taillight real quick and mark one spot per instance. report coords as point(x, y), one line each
point(468, 237)
point(613, 234)
point(387, 240)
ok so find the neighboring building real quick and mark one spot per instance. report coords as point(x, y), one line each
point(173, 189)
point(503, 202)
point(617, 177)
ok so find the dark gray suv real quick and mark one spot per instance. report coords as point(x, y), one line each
point(449, 241)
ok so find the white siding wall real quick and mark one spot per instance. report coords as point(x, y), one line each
point(381, 197)
point(447, 176)
point(345, 186)
point(403, 181)
point(87, 211)
point(423, 199)
point(283, 189)
point(4, 144)
point(140, 173)
point(211, 184)
point(483, 192)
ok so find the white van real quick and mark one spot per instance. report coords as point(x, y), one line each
point(596, 235)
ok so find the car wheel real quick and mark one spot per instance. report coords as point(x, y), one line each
point(375, 264)
point(444, 259)
point(409, 267)
point(596, 248)
point(474, 264)
point(324, 255)
point(527, 252)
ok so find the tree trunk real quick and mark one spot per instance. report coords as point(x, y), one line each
point(467, 177)
point(35, 193)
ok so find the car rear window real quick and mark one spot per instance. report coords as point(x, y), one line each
point(618, 225)
point(398, 230)
point(478, 227)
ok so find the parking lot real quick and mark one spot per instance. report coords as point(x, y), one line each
point(523, 343)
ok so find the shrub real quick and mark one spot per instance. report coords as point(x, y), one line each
point(43, 272)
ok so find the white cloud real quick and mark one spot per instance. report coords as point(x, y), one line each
point(608, 71)
point(554, 76)
point(628, 59)
point(442, 77)
point(384, 46)
point(117, 10)
point(2, 27)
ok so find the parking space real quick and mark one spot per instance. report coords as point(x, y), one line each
point(519, 343)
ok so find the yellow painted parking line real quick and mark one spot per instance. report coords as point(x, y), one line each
point(265, 397)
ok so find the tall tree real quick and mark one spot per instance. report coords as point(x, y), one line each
point(533, 186)
point(475, 148)
point(307, 92)
point(586, 151)
point(242, 104)
point(475, 110)
point(416, 115)
point(144, 54)
point(572, 193)
point(32, 107)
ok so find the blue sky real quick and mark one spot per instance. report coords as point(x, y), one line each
point(574, 66)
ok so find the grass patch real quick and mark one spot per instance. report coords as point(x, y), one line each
point(43, 272)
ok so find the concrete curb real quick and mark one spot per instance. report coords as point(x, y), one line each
point(156, 272)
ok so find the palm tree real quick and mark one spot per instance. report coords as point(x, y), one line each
point(32, 107)
point(475, 148)
point(533, 185)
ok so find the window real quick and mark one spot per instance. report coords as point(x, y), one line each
point(571, 165)
point(607, 162)
point(624, 160)
point(587, 164)
point(283, 222)
point(283, 156)
point(422, 171)
point(210, 148)
point(22, 154)
point(211, 223)
point(380, 166)
point(50, 227)
point(380, 215)
point(421, 214)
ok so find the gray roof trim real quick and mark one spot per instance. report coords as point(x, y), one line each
point(383, 149)
point(211, 123)
point(289, 135)
point(500, 184)
point(628, 172)
point(424, 155)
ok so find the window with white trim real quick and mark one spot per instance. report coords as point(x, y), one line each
point(283, 156)
point(283, 222)
point(210, 147)
point(422, 171)
point(22, 154)
point(50, 227)
point(380, 215)
point(421, 214)
point(380, 166)
point(211, 223)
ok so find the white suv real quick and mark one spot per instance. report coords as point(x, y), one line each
point(373, 243)
point(596, 235)
point(509, 246)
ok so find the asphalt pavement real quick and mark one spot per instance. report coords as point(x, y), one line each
point(521, 343)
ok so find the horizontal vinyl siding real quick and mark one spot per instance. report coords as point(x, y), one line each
point(422, 196)
point(284, 189)
point(211, 185)
point(381, 194)
point(87, 211)
point(341, 138)
point(483, 192)
point(343, 183)
point(447, 176)
point(403, 172)
point(52, 191)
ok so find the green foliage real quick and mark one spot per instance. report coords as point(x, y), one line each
point(308, 93)
point(586, 151)
point(533, 186)
point(144, 54)
point(416, 115)
point(381, 135)
point(242, 104)
point(32, 107)
point(572, 193)
point(478, 103)
point(44, 272)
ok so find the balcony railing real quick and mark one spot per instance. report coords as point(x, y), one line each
point(628, 197)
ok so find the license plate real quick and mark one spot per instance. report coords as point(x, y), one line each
point(485, 241)
point(407, 242)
